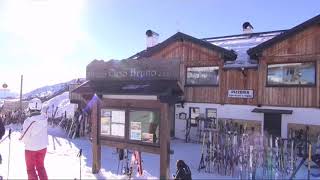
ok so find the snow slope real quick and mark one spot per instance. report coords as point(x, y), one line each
point(62, 162)
point(61, 101)
point(51, 90)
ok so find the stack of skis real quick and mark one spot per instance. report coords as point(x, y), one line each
point(78, 126)
point(232, 150)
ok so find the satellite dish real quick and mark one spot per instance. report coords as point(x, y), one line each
point(4, 85)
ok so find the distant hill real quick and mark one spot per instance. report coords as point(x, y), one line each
point(7, 94)
point(47, 92)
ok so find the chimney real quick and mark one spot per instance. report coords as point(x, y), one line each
point(247, 28)
point(152, 38)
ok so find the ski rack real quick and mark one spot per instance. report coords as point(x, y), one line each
point(202, 124)
point(232, 151)
point(306, 156)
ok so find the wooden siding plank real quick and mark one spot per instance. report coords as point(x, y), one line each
point(301, 47)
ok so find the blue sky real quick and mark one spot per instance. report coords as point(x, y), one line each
point(52, 41)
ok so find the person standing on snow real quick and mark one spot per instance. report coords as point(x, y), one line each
point(183, 171)
point(2, 128)
point(35, 137)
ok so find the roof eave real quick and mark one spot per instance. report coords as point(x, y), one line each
point(256, 52)
point(227, 55)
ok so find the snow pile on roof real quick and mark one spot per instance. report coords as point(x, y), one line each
point(240, 44)
point(62, 102)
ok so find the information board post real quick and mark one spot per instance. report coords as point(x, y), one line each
point(96, 146)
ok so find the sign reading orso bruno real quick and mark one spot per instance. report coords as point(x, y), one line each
point(132, 69)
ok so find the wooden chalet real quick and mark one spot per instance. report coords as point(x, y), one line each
point(268, 80)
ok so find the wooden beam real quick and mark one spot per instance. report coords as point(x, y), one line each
point(96, 146)
point(136, 147)
point(318, 83)
point(164, 143)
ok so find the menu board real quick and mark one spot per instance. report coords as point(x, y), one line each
point(118, 116)
point(105, 125)
point(117, 130)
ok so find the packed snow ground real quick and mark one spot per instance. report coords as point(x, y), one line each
point(62, 162)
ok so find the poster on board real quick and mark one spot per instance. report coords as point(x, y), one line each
point(135, 131)
point(147, 137)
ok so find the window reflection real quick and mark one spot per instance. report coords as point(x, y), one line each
point(144, 126)
point(202, 75)
point(291, 74)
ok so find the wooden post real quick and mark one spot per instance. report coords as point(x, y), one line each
point(318, 85)
point(95, 130)
point(164, 143)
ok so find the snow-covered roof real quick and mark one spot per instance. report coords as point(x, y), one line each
point(240, 44)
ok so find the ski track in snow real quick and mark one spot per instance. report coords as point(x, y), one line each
point(61, 161)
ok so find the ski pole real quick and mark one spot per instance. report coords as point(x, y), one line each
point(309, 160)
point(79, 155)
point(4, 139)
point(9, 153)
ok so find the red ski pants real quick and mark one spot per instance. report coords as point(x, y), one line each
point(35, 163)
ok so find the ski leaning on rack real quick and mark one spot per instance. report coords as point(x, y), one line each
point(135, 161)
point(201, 164)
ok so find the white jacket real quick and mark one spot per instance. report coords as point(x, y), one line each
point(36, 138)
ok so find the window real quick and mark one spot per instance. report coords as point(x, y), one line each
point(291, 74)
point(144, 126)
point(202, 75)
point(211, 113)
point(113, 122)
point(194, 113)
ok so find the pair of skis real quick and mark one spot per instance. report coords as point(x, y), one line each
point(134, 162)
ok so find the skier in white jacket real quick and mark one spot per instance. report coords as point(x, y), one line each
point(35, 138)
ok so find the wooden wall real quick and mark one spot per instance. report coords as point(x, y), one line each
point(236, 79)
point(194, 55)
point(304, 46)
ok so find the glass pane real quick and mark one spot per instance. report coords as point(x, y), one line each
point(291, 74)
point(117, 130)
point(194, 113)
point(144, 126)
point(105, 125)
point(113, 122)
point(202, 75)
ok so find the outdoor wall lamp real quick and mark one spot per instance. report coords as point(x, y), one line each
point(243, 72)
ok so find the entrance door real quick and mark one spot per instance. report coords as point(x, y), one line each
point(272, 124)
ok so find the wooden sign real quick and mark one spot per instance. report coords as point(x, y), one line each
point(240, 93)
point(133, 69)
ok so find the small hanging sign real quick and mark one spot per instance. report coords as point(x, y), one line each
point(240, 93)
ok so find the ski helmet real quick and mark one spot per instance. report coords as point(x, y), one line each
point(35, 104)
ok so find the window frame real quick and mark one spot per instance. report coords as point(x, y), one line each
point(293, 85)
point(126, 138)
point(193, 120)
point(111, 136)
point(201, 85)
